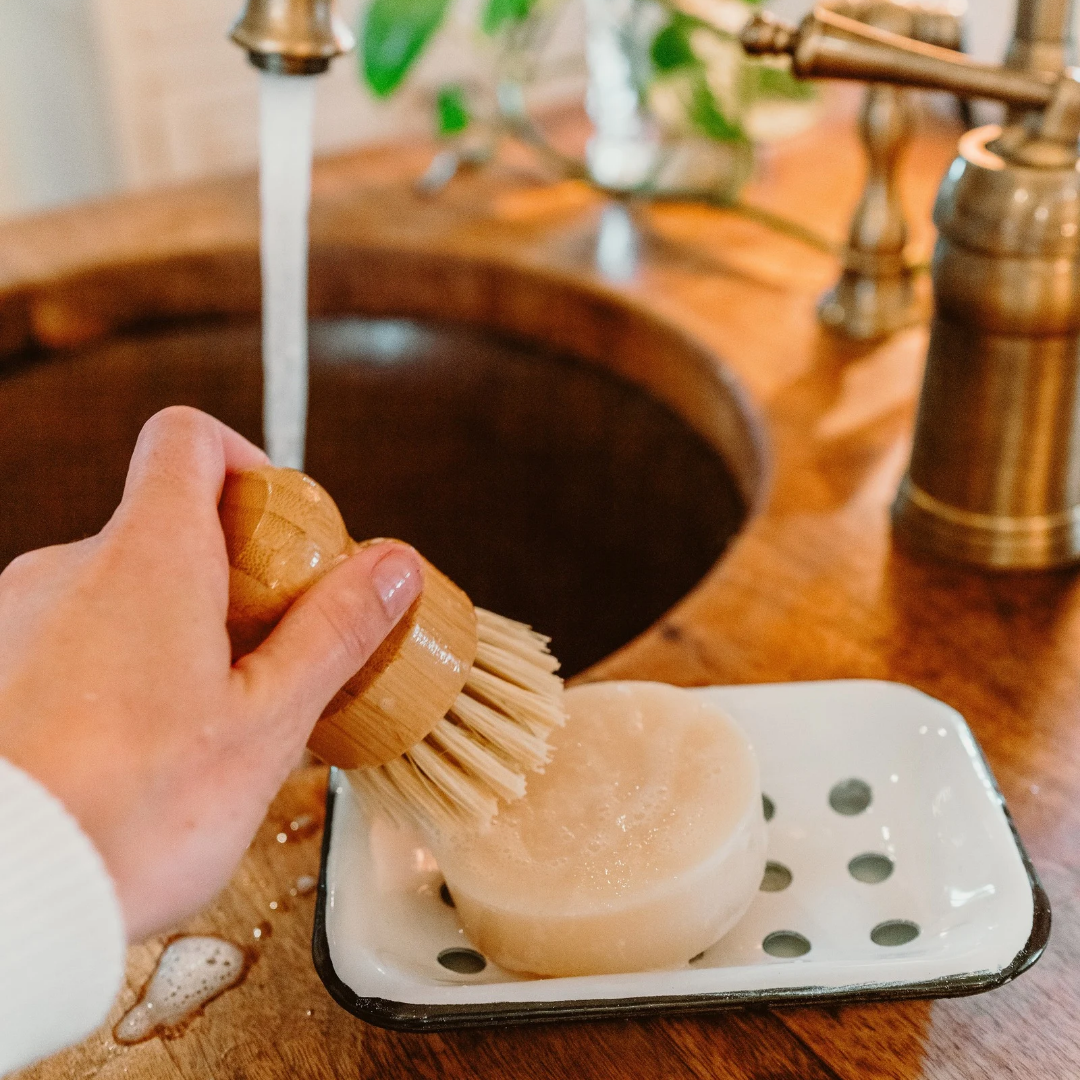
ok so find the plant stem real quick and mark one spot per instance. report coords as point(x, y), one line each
point(523, 128)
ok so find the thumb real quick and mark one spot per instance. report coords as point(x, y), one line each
point(327, 636)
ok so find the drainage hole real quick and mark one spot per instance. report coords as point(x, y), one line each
point(894, 932)
point(786, 944)
point(768, 806)
point(462, 961)
point(871, 867)
point(850, 797)
point(777, 877)
point(445, 897)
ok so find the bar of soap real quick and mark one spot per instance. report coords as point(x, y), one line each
point(641, 844)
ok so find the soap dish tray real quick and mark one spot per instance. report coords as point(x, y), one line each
point(894, 872)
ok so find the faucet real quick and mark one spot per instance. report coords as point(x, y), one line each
point(994, 476)
point(292, 37)
point(876, 292)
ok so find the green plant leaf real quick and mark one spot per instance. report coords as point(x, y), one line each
point(452, 110)
point(497, 13)
point(671, 47)
point(395, 33)
point(706, 115)
point(767, 81)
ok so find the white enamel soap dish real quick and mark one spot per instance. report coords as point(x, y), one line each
point(894, 872)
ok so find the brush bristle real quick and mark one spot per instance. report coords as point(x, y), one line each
point(496, 731)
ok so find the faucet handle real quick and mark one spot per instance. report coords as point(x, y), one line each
point(832, 46)
point(828, 45)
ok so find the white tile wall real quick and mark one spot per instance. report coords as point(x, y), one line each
point(167, 97)
point(184, 100)
point(54, 134)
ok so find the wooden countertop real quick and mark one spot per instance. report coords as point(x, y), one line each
point(812, 589)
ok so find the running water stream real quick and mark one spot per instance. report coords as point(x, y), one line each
point(287, 109)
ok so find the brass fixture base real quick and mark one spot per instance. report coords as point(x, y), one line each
point(930, 527)
point(994, 478)
point(863, 308)
point(875, 296)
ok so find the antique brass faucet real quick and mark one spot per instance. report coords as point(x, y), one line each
point(292, 37)
point(994, 478)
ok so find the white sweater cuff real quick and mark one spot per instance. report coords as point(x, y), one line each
point(62, 938)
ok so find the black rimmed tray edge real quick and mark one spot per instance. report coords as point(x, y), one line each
point(407, 1016)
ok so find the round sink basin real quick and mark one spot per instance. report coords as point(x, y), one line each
point(550, 489)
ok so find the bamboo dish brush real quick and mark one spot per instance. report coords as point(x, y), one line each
point(452, 710)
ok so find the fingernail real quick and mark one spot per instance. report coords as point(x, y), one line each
point(397, 582)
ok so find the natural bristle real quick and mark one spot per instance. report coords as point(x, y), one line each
point(495, 732)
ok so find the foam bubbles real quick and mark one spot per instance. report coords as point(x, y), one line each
point(191, 971)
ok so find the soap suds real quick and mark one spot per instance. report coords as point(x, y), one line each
point(191, 972)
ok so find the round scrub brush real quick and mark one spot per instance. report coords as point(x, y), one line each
point(452, 709)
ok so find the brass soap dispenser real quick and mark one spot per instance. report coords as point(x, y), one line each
point(994, 478)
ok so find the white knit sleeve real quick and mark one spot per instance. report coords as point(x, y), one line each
point(62, 937)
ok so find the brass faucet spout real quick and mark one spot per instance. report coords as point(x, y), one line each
point(292, 37)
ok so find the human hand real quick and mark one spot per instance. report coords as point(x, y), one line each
point(116, 688)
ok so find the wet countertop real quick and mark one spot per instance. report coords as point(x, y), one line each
point(811, 589)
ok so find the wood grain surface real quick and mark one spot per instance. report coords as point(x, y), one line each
point(708, 312)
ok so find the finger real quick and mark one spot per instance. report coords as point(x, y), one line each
point(180, 461)
point(327, 636)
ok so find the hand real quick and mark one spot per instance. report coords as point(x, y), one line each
point(116, 689)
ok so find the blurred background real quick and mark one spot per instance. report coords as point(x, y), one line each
point(103, 96)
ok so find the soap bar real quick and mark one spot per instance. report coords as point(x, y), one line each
point(641, 843)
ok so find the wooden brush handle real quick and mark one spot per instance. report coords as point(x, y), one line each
point(282, 533)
